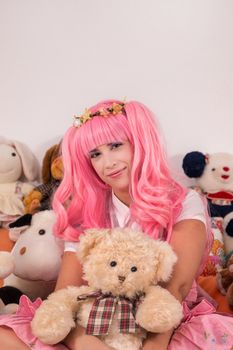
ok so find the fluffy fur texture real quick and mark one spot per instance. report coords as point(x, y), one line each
point(156, 196)
point(158, 310)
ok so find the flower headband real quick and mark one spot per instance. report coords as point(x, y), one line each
point(114, 109)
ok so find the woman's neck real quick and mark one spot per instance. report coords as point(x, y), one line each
point(124, 197)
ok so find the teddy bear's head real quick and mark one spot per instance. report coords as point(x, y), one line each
point(123, 261)
point(213, 172)
point(52, 167)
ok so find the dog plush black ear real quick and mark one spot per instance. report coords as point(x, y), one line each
point(24, 220)
point(10, 295)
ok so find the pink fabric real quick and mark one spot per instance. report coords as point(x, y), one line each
point(203, 329)
point(21, 324)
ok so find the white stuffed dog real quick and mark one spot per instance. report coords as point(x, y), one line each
point(122, 300)
point(18, 166)
point(33, 264)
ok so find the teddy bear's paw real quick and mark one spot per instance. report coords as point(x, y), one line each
point(52, 322)
point(159, 312)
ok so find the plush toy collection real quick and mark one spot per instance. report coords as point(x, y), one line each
point(123, 269)
point(32, 266)
point(214, 179)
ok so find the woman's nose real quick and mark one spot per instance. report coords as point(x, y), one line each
point(110, 162)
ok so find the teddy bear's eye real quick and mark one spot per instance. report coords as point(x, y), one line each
point(113, 263)
point(41, 232)
point(134, 269)
point(213, 169)
point(13, 154)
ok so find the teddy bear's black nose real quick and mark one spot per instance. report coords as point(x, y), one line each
point(121, 278)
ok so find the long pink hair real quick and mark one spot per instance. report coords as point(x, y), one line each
point(83, 201)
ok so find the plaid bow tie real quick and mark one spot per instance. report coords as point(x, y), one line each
point(102, 311)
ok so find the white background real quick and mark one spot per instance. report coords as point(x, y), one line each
point(58, 57)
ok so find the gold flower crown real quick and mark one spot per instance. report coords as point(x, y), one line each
point(114, 109)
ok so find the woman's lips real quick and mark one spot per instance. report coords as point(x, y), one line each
point(116, 173)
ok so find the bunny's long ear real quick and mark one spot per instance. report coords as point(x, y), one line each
point(89, 240)
point(29, 162)
point(166, 259)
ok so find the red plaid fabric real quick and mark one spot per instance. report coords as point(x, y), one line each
point(102, 311)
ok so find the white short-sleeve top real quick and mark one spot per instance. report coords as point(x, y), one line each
point(192, 208)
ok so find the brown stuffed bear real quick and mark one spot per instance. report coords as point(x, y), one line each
point(52, 173)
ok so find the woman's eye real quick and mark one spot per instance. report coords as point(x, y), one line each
point(116, 145)
point(94, 155)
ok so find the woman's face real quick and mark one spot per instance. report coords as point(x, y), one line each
point(112, 163)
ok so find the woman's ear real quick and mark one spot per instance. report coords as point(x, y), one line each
point(90, 239)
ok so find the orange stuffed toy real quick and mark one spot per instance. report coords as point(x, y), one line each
point(52, 173)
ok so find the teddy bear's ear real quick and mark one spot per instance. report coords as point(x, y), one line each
point(166, 258)
point(46, 165)
point(89, 240)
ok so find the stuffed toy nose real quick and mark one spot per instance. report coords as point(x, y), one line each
point(121, 278)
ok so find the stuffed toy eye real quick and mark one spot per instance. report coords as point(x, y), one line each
point(13, 154)
point(113, 263)
point(134, 269)
point(41, 232)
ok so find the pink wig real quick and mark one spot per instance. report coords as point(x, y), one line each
point(83, 200)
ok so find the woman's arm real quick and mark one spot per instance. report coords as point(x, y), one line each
point(70, 272)
point(188, 241)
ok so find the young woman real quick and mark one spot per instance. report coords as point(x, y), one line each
point(116, 174)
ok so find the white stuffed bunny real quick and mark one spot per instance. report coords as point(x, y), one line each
point(18, 167)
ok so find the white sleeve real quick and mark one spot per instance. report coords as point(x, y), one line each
point(71, 246)
point(193, 208)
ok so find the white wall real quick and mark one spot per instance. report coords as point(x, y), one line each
point(59, 56)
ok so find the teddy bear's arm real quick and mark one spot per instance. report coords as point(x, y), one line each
point(32, 201)
point(159, 311)
point(55, 317)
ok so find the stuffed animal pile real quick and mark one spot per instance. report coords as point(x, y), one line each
point(18, 168)
point(31, 268)
point(122, 268)
point(214, 179)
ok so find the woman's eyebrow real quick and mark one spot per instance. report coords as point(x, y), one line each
point(93, 150)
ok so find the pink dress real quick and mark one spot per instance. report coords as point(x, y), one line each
point(21, 324)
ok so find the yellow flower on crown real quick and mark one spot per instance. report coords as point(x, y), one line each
point(86, 116)
point(117, 108)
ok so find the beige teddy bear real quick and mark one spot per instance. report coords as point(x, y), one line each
point(122, 300)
